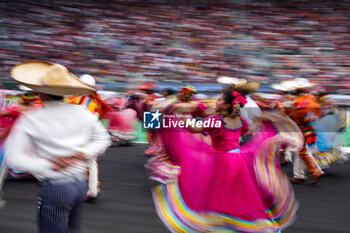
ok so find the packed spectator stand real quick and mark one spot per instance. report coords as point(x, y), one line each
point(194, 41)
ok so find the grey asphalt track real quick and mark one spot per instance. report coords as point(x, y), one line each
point(125, 204)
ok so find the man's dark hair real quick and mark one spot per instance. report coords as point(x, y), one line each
point(55, 97)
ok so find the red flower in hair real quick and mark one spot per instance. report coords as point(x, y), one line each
point(235, 94)
point(238, 99)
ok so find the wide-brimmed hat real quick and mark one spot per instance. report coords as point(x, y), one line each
point(231, 81)
point(239, 84)
point(302, 83)
point(49, 78)
point(284, 86)
point(292, 85)
point(250, 86)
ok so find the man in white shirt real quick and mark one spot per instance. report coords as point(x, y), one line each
point(54, 143)
point(252, 113)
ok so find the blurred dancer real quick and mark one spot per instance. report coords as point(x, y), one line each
point(147, 96)
point(186, 99)
point(250, 111)
point(161, 166)
point(54, 143)
point(142, 101)
point(225, 187)
point(168, 93)
point(98, 107)
point(286, 91)
point(304, 112)
point(345, 138)
point(120, 121)
point(92, 102)
point(329, 128)
point(8, 116)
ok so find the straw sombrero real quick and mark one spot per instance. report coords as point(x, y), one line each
point(239, 84)
point(49, 78)
point(250, 86)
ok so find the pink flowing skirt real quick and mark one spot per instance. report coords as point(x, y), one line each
point(121, 124)
point(225, 192)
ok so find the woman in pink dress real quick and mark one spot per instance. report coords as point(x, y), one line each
point(160, 165)
point(225, 187)
point(8, 116)
point(120, 121)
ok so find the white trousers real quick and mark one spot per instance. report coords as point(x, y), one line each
point(299, 166)
point(93, 190)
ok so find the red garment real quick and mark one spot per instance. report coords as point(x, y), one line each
point(304, 106)
point(102, 107)
point(306, 110)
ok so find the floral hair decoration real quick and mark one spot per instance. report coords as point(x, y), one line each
point(238, 99)
point(238, 102)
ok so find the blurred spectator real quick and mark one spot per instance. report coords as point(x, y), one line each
point(193, 41)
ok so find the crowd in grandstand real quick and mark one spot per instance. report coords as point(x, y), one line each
point(194, 41)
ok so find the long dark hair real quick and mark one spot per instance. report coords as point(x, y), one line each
point(236, 101)
point(228, 97)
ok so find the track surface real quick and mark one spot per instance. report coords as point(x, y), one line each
point(125, 204)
